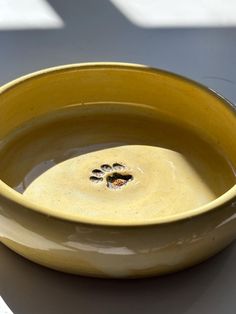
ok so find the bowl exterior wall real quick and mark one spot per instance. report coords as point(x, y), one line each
point(118, 252)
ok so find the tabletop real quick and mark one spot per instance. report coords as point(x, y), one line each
point(90, 30)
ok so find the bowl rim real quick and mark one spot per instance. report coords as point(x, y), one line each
point(10, 194)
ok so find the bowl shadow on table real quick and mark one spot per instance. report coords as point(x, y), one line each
point(29, 288)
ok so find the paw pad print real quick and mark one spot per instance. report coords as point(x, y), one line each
point(115, 176)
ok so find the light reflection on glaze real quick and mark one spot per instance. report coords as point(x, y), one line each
point(99, 249)
point(27, 237)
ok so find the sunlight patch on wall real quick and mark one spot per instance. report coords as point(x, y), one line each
point(28, 14)
point(4, 309)
point(179, 13)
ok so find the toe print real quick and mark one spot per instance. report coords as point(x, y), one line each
point(98, 173)
point(96, 179)
point(115, 176)
point(117, 166)
point(106, 168)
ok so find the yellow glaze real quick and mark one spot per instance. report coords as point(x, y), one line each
point(163, 184)
point(174, 137)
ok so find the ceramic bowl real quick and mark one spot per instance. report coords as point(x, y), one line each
point(92, 245)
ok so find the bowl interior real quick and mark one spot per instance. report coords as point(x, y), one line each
point(116, 142)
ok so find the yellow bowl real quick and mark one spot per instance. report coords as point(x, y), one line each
point(119, 244)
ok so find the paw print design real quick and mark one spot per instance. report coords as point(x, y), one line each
point(115, 176)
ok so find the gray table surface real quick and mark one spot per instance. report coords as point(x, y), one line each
point(97, 31)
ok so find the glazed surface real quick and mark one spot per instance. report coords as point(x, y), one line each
point(119, 105)
point(121, 162)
